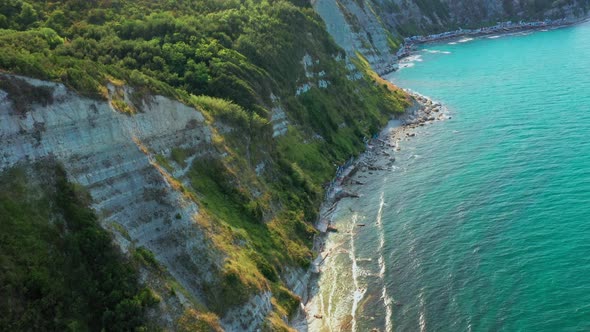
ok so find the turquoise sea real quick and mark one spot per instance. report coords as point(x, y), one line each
point(483, 224)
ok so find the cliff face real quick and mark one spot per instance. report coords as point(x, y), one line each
point(355, 26)
point(164, 179)
point(114, 156)
point(205, 147)
point(217, 193)
point(375, 28)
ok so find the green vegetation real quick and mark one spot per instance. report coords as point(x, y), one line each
point(121, 230)
point(235, 61)
point(162, 161)
point(286, 300)
point(193, 320)
point(60, 270)
point(146, 257)
point(179, 156)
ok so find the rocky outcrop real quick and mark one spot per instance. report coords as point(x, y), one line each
point(114, 155)
point(248, 316)
point(356, 28)
point(278, 119)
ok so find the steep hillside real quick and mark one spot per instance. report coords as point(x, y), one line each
point(376, 28)
point(204, 132)
point(64, 274)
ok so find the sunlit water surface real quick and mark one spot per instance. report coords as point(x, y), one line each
point(484, 222)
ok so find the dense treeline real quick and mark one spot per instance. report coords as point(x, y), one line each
point(219, 48)
point(60, 270)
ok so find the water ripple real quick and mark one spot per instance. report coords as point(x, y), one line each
point(488, 229)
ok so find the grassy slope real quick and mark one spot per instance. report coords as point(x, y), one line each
point(225, 58)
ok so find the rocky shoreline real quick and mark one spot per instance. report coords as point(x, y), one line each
point(504, 28)
point(379, 156)
point(381, 150)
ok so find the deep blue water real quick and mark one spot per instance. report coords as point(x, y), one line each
point(485, 218)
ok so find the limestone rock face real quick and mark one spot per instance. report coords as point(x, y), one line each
point(242, 318)
point(114, 156)
point(356, 28)
point(110, 153)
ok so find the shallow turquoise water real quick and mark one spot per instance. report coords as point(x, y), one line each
point(485, 221)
